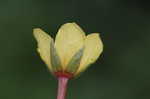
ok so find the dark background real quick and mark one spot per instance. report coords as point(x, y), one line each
point(122, 71)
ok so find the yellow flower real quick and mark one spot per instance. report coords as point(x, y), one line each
point(72, 51)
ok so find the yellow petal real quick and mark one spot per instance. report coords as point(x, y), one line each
point(69, 40)
point(93, 48)
point(43, 40)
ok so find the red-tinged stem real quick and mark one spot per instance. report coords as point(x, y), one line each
point(62, 87)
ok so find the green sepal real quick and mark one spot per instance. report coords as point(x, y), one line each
point(80, 73)
point(74, 63)
point(55, 60)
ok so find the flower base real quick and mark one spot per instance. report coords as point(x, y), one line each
point(63, 74)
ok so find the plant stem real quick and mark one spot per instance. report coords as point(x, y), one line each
point(62, 87)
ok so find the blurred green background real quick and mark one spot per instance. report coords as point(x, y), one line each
point(122, 71)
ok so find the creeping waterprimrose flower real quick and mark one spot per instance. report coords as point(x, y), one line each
point(71, 53)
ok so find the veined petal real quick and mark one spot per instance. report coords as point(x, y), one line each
point(43, 40)
point(69, 39)
point(93, 48)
